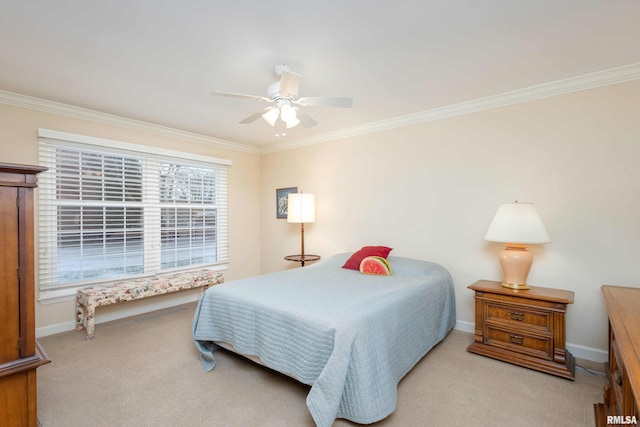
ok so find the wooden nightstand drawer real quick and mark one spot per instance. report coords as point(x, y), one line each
point(519, 342)
point(518, 315)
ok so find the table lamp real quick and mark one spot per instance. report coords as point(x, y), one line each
point(516, 225)
point(301, 208)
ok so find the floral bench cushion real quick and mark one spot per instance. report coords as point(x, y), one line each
point(87, 299)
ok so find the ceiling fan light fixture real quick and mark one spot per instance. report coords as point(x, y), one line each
point(271, 116)
point(292, 122)
point(289, 116)
point(287, 113)
point(283, 95)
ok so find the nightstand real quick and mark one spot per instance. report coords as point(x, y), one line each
point(523, 327)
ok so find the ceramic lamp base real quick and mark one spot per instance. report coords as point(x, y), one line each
point(516, 263)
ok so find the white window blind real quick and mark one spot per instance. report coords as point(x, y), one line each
point(107, 214)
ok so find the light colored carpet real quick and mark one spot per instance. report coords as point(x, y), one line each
point(145, 371)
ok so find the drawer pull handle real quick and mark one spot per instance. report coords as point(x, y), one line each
point(516, 339)
point(516, 315)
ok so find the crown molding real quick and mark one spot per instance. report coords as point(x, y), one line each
point(573, 84)
point(59, 108)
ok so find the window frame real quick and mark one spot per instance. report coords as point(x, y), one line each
point(48, 224)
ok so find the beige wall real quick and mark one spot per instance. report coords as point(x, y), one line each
point(430, 191)
point(19, 144)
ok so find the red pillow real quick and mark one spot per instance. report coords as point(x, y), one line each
point(353, 263)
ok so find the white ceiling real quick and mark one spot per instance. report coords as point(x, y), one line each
point(157, 60)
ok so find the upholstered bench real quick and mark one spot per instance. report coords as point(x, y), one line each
point(87, 299)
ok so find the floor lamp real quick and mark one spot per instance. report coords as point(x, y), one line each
point(301, 209)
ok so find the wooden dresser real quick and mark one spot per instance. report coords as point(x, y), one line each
point(20, 354)
point(622, 393)
point(523, 327)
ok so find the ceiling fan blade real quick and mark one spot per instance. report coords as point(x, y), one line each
point(325, 101)
point(241, 96)
point(289, 83)
point(252, 118)
point(305, 120)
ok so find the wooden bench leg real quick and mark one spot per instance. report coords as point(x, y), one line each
point(85, 316)
point(80, 315)
point(89, 321)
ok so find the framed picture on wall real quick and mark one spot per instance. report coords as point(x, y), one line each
point(282, 195)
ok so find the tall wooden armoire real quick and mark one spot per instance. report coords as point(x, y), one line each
point(20, 354)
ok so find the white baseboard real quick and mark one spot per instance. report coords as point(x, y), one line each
point(588, 353)
point(127, 310)
point(464, 326)
point(578, 351)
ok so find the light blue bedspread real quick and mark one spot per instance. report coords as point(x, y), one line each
point(352, 337)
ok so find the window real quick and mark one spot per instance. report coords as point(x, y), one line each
point(110, 213)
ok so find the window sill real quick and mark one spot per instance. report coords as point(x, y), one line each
point(52, 296)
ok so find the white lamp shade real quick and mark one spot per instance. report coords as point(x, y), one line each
point(289, 116)
point(287, 112)
point(301, 208)
point(517, 223)
point(293, 122)
point(271, 116)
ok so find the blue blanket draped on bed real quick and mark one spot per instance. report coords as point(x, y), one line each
point(352, 337)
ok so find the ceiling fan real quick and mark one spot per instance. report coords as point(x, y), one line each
point(284, 95)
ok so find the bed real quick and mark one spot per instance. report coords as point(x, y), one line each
point(352, 337)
